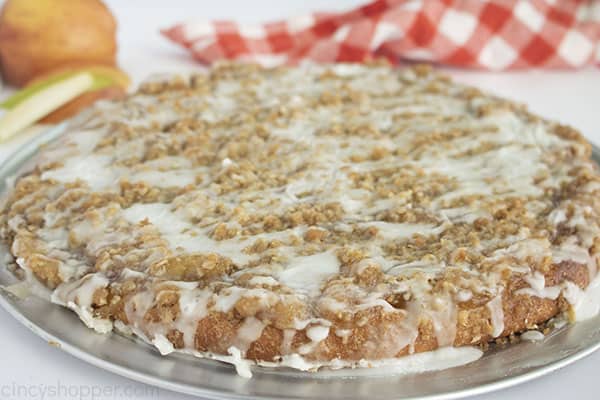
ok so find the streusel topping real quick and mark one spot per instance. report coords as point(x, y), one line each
point(310, 201)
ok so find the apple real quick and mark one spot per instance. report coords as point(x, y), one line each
point(60, 94)
point(109, 83)
point(37, 36)
point(38, 104)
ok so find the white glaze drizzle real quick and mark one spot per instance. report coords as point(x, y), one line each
point(519, 142)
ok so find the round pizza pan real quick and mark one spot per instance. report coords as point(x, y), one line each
point(496, 369)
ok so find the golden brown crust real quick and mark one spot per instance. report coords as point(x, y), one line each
point(521, 312)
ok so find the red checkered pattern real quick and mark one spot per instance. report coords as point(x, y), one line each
point(492, 34)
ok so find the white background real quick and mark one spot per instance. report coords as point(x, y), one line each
point(28, 362)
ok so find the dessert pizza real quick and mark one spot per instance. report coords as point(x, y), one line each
point(310, 216)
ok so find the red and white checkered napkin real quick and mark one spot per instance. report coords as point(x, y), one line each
point(492, 34)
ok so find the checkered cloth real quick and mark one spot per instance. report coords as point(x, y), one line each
point(489, 34)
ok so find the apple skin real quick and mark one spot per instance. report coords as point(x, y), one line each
point(37, 36)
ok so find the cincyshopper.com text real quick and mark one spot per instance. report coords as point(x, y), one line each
point(66, 391)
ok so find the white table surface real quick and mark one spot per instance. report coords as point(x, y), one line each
point(31, 369)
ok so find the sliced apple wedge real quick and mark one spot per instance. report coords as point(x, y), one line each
point(103, 77)
point(27, 108)
point(101, 82)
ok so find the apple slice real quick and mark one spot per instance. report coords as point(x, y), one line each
point(106, 83)
point(36, 101)
point(103, 77)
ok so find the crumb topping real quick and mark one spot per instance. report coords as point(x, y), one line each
point(311, 201)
